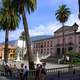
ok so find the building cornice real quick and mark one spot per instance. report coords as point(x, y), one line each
point(77, 33)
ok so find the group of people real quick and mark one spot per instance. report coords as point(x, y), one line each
point(40, 72)
point(22, 72)
point(14, 72)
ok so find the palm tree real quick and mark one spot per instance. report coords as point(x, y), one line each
point(9, 20)
point(23, 6)
point(62, 15)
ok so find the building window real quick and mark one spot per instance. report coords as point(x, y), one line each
point(58, 51)
point(41, 45)
point(79, 42)
point(36, 45)
point(51, 50)
point(47, 51)
point(11, 55)
point(70, 43)
point(70, 49)
point(70, 39)
point(51, 44)
point(47, 43)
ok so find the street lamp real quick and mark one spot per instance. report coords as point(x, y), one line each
point(75, 27)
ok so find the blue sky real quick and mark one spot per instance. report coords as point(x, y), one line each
point(43, 20)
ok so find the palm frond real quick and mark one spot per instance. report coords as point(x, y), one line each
point(62, 13)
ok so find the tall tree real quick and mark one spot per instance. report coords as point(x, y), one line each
point(62, 15)
point(23, 7)
point(9, 20)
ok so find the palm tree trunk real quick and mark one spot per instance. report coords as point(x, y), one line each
point(63, 39)
point(28, 42)
point(6, 46)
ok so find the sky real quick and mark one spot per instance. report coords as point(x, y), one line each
point(43, 20)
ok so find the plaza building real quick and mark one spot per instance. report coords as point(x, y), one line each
point(43, 46)
point(71, 39)
point(11, 52)
point(54, 44)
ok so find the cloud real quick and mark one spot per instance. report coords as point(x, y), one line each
point(74, 18)
point(47, 29)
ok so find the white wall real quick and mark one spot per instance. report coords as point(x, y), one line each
point(21, 43)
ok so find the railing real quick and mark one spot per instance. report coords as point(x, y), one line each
point(58, 71)
point(31, 75)
point(63, 69)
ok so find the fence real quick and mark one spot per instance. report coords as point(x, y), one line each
point(53, 71)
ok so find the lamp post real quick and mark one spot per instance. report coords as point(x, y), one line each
point(75, 27)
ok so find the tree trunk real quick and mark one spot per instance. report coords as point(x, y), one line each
point(6, 46)
point(28, 42)
point(63, 39)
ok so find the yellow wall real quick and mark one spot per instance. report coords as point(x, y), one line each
point(11, 53)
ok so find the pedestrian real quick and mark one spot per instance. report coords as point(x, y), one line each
point(10, 70)
point(37, 72)
point(6, 67)
point(21, 71)
point(43, 71)
point(14, 70)
point(25, 73)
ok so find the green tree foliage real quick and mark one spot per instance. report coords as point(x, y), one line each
point(62, 14)
point(9, 21)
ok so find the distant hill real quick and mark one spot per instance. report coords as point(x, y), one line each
point(34, 38)
point(13, 42)
point(41, 37)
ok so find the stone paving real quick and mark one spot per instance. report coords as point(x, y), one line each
point(4, 78)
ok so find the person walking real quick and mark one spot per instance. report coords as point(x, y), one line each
point(21, 71)
point(14, 71)
point(10, 70)
point(37, 72)
point(43, 72)
point(25, 73)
